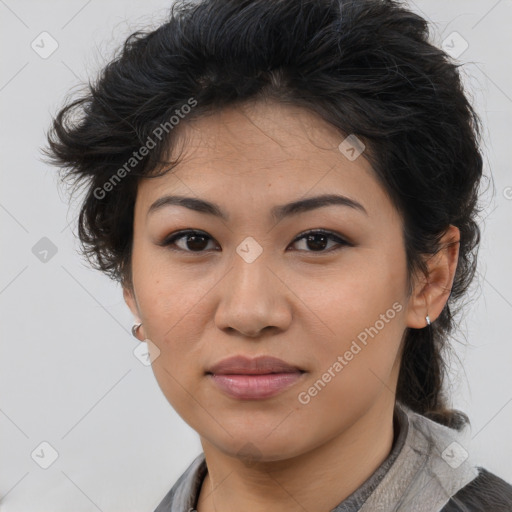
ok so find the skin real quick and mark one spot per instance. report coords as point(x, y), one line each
point(295, 302)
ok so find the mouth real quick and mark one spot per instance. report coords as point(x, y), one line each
point(254, 379)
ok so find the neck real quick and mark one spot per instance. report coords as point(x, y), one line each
point(317, 480)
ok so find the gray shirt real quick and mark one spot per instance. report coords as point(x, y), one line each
point(427, 465)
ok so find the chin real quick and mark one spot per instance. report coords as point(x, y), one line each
point(259, 447)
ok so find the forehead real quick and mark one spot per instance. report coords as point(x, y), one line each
point(264, 133)
point(266, 153)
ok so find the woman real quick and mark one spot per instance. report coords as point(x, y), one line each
point(287, 192)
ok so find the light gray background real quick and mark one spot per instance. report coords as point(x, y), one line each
point(68, 373)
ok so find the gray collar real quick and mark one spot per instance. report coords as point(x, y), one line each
point(426, 466)
point(431, 467)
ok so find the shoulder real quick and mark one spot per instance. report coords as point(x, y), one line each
point(474, 489)
point(487, 492)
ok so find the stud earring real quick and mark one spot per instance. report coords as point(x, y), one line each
point(134, 329)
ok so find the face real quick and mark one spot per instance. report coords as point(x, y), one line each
point(332, 303)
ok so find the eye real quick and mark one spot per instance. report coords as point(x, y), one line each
point(193, 241)
point(318, 239)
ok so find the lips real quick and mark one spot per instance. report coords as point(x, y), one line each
point(240, 365)
point(254, 379)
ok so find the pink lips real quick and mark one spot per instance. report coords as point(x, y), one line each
point(257, 378)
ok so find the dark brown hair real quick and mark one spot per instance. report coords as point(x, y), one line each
point(366, 66)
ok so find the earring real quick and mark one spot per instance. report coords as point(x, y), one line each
point(427, 318)
point(134, 329)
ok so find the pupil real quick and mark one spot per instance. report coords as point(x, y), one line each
point(312, 238)
point(193, 239)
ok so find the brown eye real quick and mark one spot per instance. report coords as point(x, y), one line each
point(317, 241)
point(188, 241)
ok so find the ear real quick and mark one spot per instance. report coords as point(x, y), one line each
point(431, 293)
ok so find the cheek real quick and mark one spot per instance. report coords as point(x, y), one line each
point(173, 315)
point(348, 298)
point(362, 324)
point(169, 297)
point(176, 326)
point(353, 369)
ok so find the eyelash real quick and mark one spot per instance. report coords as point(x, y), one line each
point(167, 242)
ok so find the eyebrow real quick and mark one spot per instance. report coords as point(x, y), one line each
point(277, 212)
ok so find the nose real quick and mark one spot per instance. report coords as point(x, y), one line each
point(252, 299)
